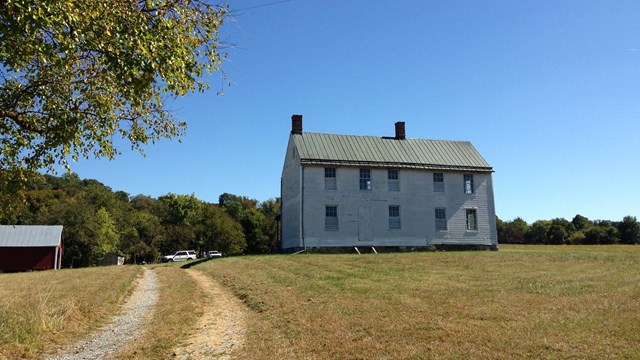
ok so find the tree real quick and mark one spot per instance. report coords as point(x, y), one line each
point(77, 218)
point(515, 231)
point(537, 233)
point(143, 230)
point(501, 228)
point(105, 239)
point(557, 234)
point(254, 224)
point(598, 235)
point(270, 209)
point(75, 75)
point(176, 237)
point(219, 231)
point(183, 209)
point(577, 238)
point(613, 236)
point(629, 230)
point(581, 223)
point(560, 231)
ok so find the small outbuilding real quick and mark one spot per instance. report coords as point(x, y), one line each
point(30, 247)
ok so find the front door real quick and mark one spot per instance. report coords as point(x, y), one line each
point(365, 230)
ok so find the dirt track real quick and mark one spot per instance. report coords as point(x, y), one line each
point(221, 328)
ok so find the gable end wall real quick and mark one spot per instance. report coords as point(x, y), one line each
point(291, 199)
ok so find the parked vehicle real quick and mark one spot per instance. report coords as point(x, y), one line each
point(214, 254)
point(181, 255)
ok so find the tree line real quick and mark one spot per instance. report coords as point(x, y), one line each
point(98, 221)
point(579, 231)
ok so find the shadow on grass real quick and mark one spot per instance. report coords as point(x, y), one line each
point(195, 262)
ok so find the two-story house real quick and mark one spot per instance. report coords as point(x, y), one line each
point(371, 191)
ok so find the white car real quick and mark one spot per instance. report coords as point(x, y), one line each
point(214, 254)
point(181, 255)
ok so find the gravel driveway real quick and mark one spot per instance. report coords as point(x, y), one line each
point(123, 329)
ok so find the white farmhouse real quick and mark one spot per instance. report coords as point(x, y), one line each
point(384, 192)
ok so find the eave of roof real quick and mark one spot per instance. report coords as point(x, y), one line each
point(395, 165)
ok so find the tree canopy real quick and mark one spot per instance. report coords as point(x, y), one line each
point(578, 231)
point(77, 75)
point(98, 221)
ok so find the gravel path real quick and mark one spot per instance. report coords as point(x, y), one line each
point(222, 327)
point(124, 328)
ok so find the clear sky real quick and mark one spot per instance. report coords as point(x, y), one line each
point(547, 91)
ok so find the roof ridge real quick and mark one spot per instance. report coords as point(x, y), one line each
point(378, 137)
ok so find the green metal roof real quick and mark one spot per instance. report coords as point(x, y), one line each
point(375, 151)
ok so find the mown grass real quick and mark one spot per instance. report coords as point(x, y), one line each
point(550, 302)
point(43, 310)
point(178, 308)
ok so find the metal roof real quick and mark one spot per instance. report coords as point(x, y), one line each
point(30, 235)
point(330, 149)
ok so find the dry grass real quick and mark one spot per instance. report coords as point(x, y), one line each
point(43, 310)
point(521, 302)
point(178, 308)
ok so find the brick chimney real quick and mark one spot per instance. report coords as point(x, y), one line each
point(296, 124)
point(400, 133)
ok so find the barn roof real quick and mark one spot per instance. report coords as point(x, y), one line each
point(331, 149)
point(30, 235)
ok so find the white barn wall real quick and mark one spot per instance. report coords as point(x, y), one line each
point(417, 202)
point(291, 199)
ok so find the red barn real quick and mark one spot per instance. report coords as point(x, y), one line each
point(30, 247)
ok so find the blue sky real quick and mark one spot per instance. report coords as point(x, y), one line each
point(548, 92)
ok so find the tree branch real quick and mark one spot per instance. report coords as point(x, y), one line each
point(16, 117)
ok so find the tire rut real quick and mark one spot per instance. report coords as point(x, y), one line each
point(222, 327)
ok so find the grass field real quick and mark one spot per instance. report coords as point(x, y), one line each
point(41, 310)
point(521, 302)
point(549, 302)
point(44, 310)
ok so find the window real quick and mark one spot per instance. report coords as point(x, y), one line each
point(394, 182)
point(441, 219)
point(330, 179)
point(472, 219)
point(365, 179)
point(331, 218)
point(468, 183)
point(438, 182)
point(394, 217)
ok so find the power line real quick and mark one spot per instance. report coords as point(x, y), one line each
point(262, 5)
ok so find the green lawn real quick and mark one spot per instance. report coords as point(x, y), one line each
point(550, 302)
